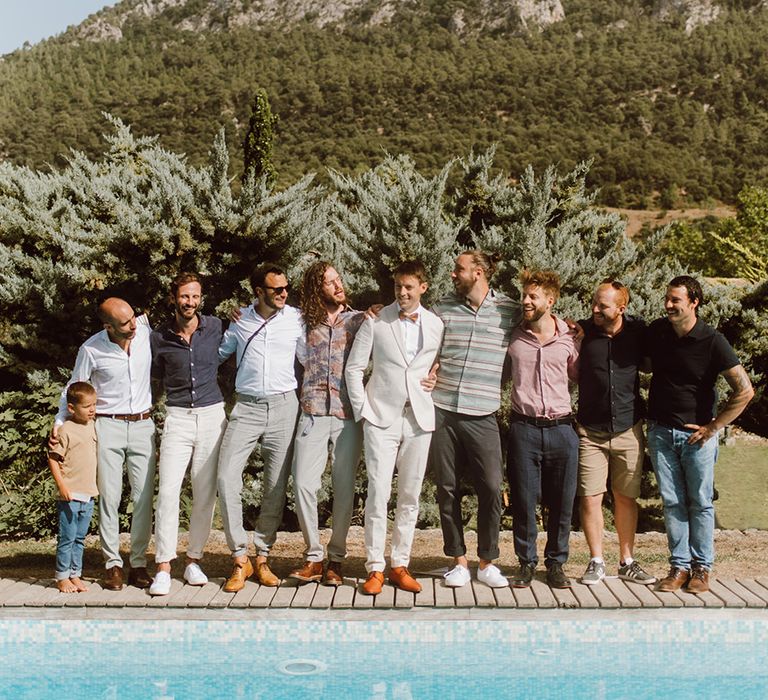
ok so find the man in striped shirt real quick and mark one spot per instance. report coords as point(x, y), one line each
point(478, 326)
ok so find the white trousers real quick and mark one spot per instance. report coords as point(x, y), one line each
point(191, 438)
point(403, 446)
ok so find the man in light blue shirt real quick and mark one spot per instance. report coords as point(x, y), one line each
point(264, 342)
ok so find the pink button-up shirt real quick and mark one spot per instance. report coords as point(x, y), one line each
point(540, 373)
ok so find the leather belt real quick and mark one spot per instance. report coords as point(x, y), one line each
point(129, 417)
point(543, 422)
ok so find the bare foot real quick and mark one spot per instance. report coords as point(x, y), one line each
point(79, 584)
point(66, 586)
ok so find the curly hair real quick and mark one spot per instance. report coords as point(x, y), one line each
point(548, 280)
point(312, 304)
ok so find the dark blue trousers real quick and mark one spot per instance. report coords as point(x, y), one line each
point(541, 467)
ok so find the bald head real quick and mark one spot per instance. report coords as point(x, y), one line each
point(118, 318)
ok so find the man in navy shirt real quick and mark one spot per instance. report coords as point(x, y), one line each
point(610, 428)
point(185, 362)
point(687, 355)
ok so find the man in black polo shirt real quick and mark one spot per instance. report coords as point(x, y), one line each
point(687, 355)
point(610, 428)
point(185, 361)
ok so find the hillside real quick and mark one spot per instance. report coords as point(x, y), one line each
point(667, 96)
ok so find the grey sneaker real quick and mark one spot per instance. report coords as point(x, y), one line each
point(634, 572)
point(594, 574)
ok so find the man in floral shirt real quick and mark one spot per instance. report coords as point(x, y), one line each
point(326, 422)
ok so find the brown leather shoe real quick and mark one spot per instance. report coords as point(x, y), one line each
point(265, 576)
point(373, 583)
point(401, 578)
point(240, 572)
point(699, 580)
point(139, 577)
point(333, 575)
point(674, 580)
point(113, 579)
point(311, 571)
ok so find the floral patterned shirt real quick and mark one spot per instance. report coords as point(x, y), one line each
point(323, 353)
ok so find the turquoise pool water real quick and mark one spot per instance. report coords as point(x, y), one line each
point(377, 660)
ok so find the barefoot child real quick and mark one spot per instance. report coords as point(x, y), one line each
point(73, 465)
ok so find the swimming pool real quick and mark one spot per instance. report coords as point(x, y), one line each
point(571, 657)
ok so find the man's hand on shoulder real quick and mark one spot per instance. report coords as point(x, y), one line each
point(575, 329)
point(234, 314)
point(374, 310)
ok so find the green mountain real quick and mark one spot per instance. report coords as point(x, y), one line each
point(667, 96)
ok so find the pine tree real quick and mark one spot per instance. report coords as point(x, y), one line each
point(257, 146)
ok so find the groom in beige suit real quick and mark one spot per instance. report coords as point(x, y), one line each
point(399, 418)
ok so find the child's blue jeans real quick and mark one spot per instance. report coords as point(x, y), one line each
point(74, 521)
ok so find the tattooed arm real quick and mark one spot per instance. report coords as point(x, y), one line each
point(741, 394)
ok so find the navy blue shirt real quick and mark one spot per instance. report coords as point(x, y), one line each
point(685, 371)
point(609, 383)
point(188, 370)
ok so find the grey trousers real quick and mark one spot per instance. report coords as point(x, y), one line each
point(272, 422)
point(122, 443)
point(314, 436)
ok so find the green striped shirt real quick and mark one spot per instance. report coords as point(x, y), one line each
point(472, 356)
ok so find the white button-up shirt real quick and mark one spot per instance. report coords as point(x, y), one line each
point(121, 379)
point(268, 365)
point(412, 334)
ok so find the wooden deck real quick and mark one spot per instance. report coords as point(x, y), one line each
point(612, 593)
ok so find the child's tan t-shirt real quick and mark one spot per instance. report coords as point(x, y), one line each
point(77, 452)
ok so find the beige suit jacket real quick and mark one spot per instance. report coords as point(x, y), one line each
point(394, 380)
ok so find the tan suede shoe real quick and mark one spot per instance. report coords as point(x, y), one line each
point(311, 571)
point(374, 583)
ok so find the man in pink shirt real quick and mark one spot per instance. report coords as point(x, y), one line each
point(543, 448)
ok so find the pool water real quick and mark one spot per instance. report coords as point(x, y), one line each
point(376, 660)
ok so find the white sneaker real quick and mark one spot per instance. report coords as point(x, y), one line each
point(161, 585)
point(492, 577)
point(194, 575)
point(457, 577)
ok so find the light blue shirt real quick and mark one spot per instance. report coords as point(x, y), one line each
point(268, 365)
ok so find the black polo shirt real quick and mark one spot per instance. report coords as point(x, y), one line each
point(609, 384)
point(685, 371)
point(188, 370)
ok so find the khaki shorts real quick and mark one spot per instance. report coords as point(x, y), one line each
point(621, 453)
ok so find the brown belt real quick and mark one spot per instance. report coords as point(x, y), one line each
point(130, 417)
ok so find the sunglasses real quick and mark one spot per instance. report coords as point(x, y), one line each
point(278, 290)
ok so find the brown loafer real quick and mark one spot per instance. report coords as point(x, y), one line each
point(113, 579)
point(333, 575)
point(401, 578)
point(699, 580)
point(265, 576)
point(240, 572)
point(374, 583)
point(139, 577)
point(674, 580)
point(311, 571)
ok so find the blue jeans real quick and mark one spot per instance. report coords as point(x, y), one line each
point(686, 475)
point(74, 521)
point(541, 466)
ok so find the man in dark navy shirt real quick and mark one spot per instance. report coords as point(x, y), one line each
point(687, 355)
point(185, 361)
point(610, 428)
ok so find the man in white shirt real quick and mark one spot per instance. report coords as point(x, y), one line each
point(264, 341)
point(398, 419)
point(116, 361)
